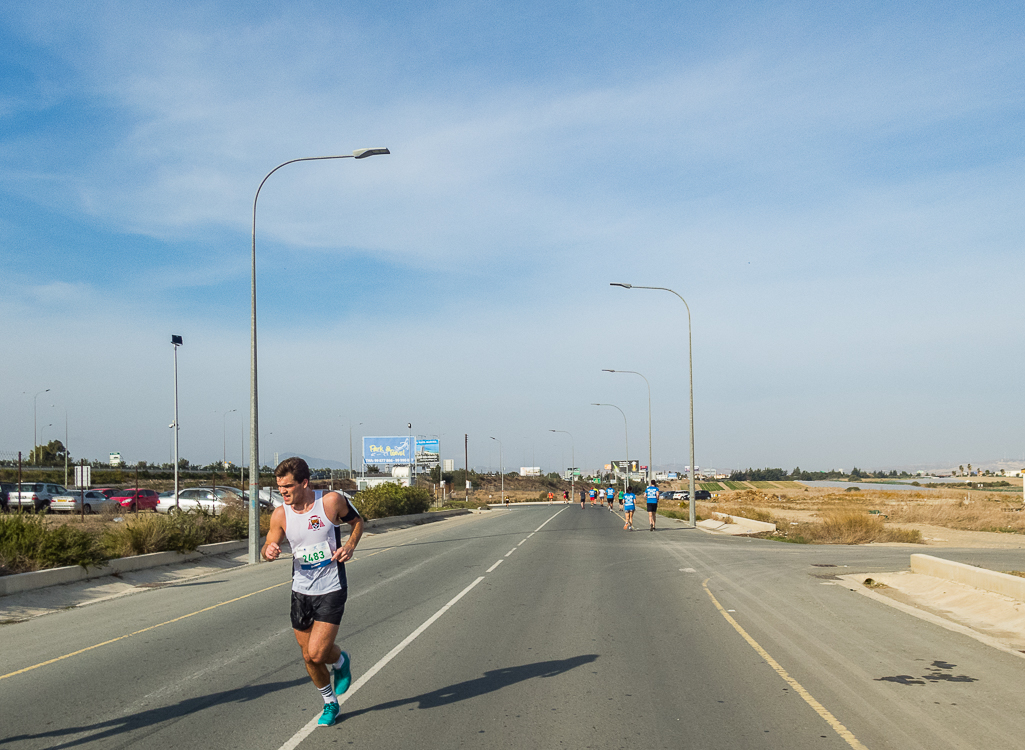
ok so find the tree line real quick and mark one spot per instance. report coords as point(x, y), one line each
point(781, 475)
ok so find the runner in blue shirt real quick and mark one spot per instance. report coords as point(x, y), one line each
point(610, 493)
point(651, 497)
point(628, 508)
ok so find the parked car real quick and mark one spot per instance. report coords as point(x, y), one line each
point(680, 495)
point(136, 499)
point(34, 495)
point(702, 495)
point(5, 491)
point(107, 491)
point(195, 498)
point(95, 502)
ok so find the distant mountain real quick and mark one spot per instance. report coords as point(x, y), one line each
point(314, 463)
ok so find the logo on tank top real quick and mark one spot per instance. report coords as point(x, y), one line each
point(315, 523)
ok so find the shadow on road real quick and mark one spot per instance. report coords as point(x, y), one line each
point(494, 680)
point(151, 720)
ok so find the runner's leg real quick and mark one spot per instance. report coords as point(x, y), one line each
point(319, 650)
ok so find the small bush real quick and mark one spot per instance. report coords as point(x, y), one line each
point(27, 544)
point(389, 499)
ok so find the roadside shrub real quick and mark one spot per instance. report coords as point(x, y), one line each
point(140, 536)
point(389, 499)
point(27, 544)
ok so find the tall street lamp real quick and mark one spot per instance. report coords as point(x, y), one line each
point(350, 446)
point(690, 357)
point(634, 372)
point(501, 466)
point(254, 440)
point(35, 432)
point(176, 341)
point(626, 433)
point(573, 455)
point(224, 439)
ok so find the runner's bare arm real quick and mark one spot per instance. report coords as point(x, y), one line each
point(272, 548)
point(339, 510)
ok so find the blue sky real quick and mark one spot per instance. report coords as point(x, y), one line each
point(835, 189)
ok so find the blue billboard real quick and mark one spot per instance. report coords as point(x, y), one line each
point(381, 451)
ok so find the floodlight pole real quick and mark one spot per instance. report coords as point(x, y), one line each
point(690, 357)
point(254, 440)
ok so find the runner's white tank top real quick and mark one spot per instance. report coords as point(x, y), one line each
point(314, 539)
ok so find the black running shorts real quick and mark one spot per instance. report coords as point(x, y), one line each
point(306, 608)
point(652, 507)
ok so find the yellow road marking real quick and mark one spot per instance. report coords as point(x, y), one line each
point(154, 627)
point(137, 632)
point(821, 710)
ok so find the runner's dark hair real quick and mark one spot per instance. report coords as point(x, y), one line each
point(295, 466)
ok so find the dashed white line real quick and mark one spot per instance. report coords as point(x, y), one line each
point(494, 566)
point(510, 552)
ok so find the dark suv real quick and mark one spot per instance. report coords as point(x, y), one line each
point(5, 494)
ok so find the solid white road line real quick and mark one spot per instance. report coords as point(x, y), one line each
point(365, 678)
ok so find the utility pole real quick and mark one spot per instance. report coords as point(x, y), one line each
point(466, 458)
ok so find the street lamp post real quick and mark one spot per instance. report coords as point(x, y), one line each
point(626, 433)
point(176, 341)
point(690, 357)
point(41, 429)
point(350, 446)
point(35, 432)
point(501, 466)
point(254, 440)
point(634, 372)
point(224, 439)
point(573, 458)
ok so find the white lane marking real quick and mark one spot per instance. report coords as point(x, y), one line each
point(531, 534)
point(365, 678)
point(510, 552)
point(522, 542)
point(494, 566)
point(545, 523)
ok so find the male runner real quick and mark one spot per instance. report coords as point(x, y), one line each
point(550, 497)
point(565, 496)
point(651, 497)
point(319, 585)
point(583, 496)
point(594, 496)
point(610, 493)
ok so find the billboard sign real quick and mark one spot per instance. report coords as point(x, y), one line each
point(428, 451)
point(625, 466)
point(385, 451)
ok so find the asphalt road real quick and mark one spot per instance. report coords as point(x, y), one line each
point(582, 636)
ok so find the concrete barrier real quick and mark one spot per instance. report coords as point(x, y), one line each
point(415, 519)
point(38, 579)
point(980, 578)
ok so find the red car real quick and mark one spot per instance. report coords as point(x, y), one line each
point(146, 499)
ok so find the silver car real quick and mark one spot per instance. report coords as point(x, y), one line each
point(95, 502)
point(198, 498)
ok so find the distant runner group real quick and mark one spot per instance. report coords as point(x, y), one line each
point(627, 501)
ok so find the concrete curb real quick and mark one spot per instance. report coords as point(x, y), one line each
point(38, 579)
point(399, 522)
point(980, 578)
point(738, 527)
